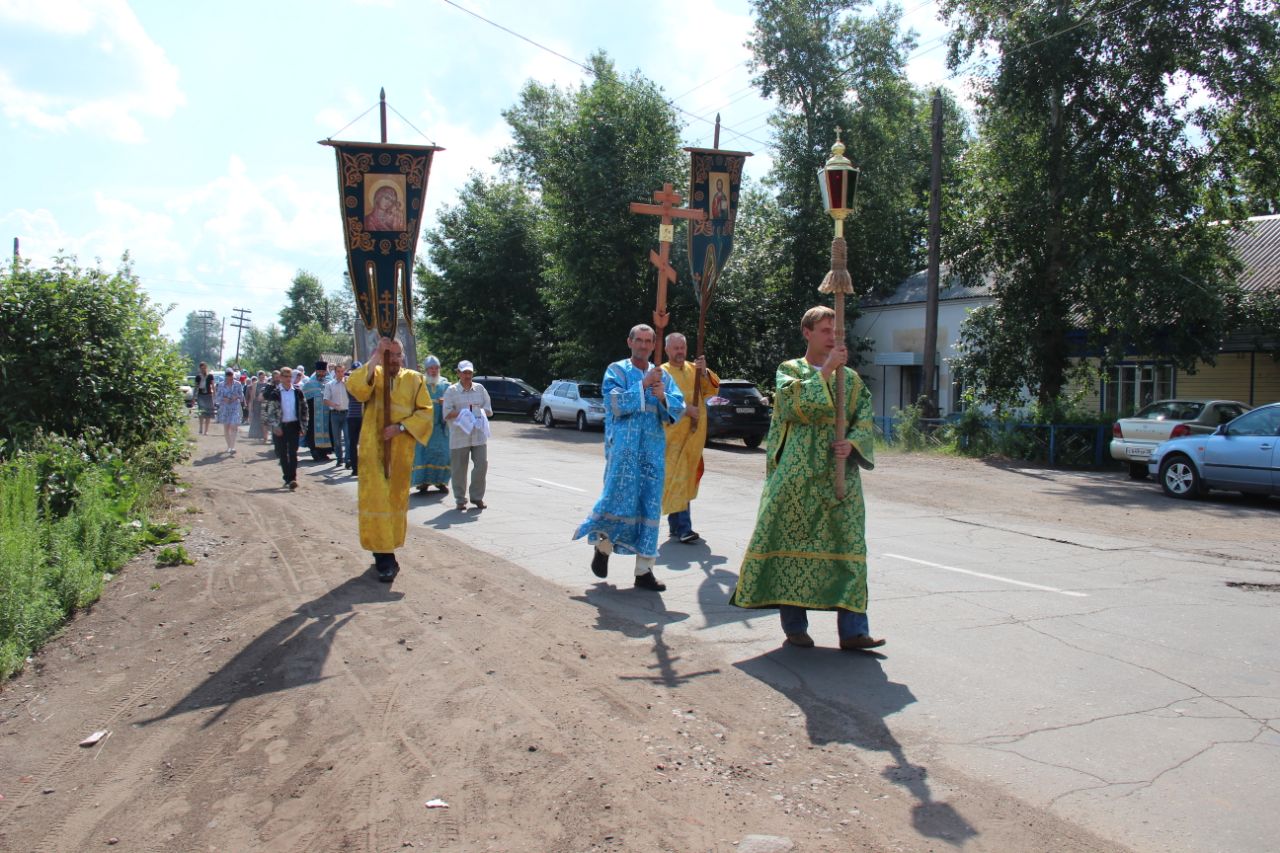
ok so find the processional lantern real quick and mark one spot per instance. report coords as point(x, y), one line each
point(838, 183)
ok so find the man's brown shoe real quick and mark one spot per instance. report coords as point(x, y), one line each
point(860, 643)
point(803, 641)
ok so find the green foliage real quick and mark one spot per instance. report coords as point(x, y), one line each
point(306, 304)
point(81, 355)
point(310, 342)
point(162, 534)
point(832, 63)
point(58, 541)
point(174, 555)
point(1085, 197)
point(264, 349)
point(488, 264)
point(201, 340)
point(587, 154)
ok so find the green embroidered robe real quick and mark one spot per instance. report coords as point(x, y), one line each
point(808, 549)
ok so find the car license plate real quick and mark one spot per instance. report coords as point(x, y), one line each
point(1138, 452)
point(745, 410)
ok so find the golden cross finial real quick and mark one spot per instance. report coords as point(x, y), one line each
point(839, 129)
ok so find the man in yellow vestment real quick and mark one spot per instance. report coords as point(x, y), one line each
point(384, 499)
point(686, 437)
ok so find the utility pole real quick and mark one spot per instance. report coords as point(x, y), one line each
point(935, 238)
point(240, 322)
point(222, 340)
point(206, 318)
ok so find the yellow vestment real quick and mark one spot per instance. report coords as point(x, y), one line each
point(383, 502)
point(685, 439)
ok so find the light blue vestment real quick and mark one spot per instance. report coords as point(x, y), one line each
point(431, 460)
point(317, 422)
point(635, 447)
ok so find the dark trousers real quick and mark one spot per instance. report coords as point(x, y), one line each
point(287, 450)
point(353, 441)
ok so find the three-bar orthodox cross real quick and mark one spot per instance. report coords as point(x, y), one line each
point(667, 200)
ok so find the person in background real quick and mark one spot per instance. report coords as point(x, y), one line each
point(336, 402)
point(355, 418)
point(204, 398)
point(431, 461)
point(227, 400)
point(467, 410)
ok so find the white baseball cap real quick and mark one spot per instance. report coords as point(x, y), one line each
point(466, 366)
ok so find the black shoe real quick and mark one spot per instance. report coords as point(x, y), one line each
point(649, 582)
point(600, 564)
point(689, 538)
point(293, 485)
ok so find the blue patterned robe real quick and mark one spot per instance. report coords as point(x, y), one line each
point(431, 460)
point(635, 447)
point(317, 428)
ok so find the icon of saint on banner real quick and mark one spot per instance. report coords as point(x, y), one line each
point(384, 203)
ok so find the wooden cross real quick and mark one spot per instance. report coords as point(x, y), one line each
point(667, 200)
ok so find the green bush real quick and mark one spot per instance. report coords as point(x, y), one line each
point(95, 337)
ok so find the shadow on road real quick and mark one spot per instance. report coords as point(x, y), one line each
point(845, 699)
point(639, 614)
point(290, 654)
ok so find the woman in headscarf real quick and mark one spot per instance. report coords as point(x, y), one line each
point(431, 460)
point(253, 390)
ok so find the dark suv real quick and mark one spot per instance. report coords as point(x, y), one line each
point(511, 395)
point(738, 410)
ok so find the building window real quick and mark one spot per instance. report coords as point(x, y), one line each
point(1128, 387)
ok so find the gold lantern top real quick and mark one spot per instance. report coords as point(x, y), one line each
point(838, 180)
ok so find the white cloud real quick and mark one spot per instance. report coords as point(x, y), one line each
point(93, 36)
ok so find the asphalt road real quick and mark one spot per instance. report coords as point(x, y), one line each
point(1118, 681)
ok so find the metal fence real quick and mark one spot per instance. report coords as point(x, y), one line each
point(1056, 445)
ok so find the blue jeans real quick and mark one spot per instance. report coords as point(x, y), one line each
point(338, 433)
point(795, 620)
point(679, 523)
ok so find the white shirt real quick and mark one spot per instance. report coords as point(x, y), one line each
point(336, 392)
point(288, 405)
point(477, 401)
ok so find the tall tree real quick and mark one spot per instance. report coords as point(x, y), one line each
point(588, 153)
point(201, 339)
point(306, 303)
point(836, 63)
point(264, 348)
point(482, 302)
point(1087, 189)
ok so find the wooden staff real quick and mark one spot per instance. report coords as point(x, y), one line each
point(386, 412)
point(839, 282)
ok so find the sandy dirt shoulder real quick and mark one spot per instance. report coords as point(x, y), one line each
point(275, 697)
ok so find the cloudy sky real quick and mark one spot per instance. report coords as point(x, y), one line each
point(185, 132)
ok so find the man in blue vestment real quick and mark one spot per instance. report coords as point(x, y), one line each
point(639, 398)
point(317, 419)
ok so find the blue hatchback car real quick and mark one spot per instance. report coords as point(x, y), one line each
point(1240, 456)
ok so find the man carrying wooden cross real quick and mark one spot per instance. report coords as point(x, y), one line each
point(809, 548)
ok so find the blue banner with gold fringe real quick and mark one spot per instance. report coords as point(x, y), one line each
point(383, 191)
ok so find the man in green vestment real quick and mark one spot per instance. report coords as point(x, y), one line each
point(809, 550)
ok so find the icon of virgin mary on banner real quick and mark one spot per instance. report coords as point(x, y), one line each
point(383, 190)
point(714, 183)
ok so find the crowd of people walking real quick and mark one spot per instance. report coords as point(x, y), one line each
point(808, 549)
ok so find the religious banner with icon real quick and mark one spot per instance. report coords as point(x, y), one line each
point(714, 183)
point(383, 189)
